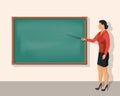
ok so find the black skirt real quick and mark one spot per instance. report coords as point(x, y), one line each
point(104, 62)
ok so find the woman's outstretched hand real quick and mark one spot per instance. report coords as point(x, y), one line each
point(83, 39)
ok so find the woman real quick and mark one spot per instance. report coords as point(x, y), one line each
point(103, 56)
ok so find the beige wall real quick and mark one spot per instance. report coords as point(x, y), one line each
point(94, 9)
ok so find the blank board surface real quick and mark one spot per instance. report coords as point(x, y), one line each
point(49, 40)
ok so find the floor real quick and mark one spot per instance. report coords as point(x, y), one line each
point(56, 88)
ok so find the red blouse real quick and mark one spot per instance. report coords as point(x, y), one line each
point(103, 41)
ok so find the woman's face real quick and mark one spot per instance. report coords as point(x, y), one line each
point(101, 27)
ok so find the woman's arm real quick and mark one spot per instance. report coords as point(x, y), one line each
point(107, 42)
point(91, 40)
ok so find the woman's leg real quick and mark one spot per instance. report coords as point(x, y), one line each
point(106, 75)
point(100, 74)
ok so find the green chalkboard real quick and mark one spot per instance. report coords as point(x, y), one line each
point(49, 40)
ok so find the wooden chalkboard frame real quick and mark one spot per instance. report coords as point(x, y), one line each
point(50, 63)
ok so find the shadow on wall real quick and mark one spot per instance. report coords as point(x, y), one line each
point(111, 59)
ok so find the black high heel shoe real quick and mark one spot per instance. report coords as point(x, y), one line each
point(100, 85)
point(106, 87)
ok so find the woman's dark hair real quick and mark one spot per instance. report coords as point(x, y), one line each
point(103, 22)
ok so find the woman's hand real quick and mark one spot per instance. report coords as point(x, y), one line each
point(103, 57)
point(83, 39)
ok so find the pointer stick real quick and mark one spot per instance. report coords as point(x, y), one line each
point(76, 37)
